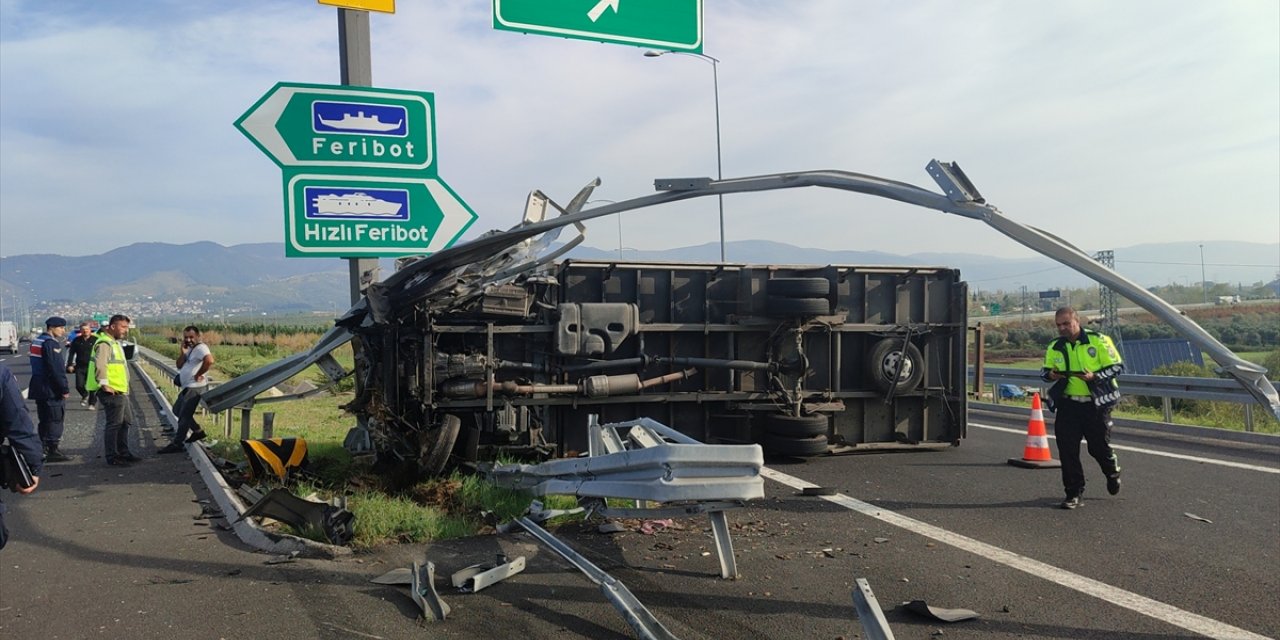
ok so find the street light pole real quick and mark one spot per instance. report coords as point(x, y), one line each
point(715, 87)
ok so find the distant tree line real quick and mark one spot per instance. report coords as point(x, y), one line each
point(1244, 328)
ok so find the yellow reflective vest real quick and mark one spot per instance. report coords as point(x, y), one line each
point(117, 367)
point(1093, 352)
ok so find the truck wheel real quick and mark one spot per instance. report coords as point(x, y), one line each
point(798, 287)
point(798, 306)
point(437, 444)
point(889, 356)
point(795, 427)
point(798, 447)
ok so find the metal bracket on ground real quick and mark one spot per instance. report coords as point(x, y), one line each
point(478, 576)
point(423, 591)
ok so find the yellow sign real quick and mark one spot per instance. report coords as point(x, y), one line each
point(385, 6)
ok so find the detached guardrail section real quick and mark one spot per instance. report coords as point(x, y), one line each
point(647, 461)
point(1164, 387)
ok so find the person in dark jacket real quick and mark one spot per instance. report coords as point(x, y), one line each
point(81, 350)
point(49, 385)
point(17, 430)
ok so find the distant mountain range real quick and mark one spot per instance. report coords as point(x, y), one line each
point(259, 277)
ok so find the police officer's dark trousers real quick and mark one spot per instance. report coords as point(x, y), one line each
point(119, 417)
point(50, 413)
point(1086, 420)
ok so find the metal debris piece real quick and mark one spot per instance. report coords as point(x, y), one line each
point(208, 512)
point(637, 616)
point(921, 608)
point(1196, 517)
point(611, 527)
point(478, 576)
point(817, 491)
point(402, 575)
point(423, 592)
point(283, 559)
point(335, 522)
point(874, 623)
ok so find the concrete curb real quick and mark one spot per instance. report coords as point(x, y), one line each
point(229, 503)
point(1209, 433)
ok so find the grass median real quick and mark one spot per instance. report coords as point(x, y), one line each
point(434, 509)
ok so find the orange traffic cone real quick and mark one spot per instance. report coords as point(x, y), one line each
point(1036, 454)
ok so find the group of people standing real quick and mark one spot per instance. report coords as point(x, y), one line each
point(102, 379)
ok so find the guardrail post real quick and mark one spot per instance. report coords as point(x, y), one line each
point(1167, 405)
point(268, 424)
point(246, 414)
point(1248, 417)
point(226, 425)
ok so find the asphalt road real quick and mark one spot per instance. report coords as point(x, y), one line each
point(123, 553)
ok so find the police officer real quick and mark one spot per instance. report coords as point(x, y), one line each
point(109, 377)
point(16, 428)
point(49, 385)
point(1082, 365)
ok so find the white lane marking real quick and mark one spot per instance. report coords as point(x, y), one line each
point(1180, 456)
point(1141, 604)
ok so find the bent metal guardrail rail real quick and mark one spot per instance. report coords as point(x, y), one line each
point(1166, 387)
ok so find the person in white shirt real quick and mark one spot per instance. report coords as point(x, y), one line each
point(193, 363)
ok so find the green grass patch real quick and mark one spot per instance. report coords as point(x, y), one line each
point(436, 509)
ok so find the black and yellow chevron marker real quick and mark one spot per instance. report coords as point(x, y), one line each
point(275, 455)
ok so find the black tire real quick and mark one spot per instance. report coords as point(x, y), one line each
point(888, 356)
point(795, 427)
point(437, 444)
point(798, 306)
point(797, 447)
point(798, 287)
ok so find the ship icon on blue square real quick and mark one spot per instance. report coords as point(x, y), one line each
point(359, 118)
point(345, 203)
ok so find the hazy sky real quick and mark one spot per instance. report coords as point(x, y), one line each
point(1109, 123)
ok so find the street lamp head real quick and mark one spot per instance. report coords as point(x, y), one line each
point(654, 54)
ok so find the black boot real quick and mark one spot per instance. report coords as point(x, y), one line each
point(51, 454)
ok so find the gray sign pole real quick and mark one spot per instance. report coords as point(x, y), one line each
point(356, 67)
point(357, 70)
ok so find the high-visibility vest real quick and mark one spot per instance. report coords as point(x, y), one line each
point(1094, 352)
point(117, 368)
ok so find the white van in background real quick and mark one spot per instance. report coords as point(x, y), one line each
point(8, 337)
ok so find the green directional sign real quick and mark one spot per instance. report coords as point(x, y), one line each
point(341, 216)
point(364, 130)
point(674, 25)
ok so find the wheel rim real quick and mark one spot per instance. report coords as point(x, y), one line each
point(889, 365)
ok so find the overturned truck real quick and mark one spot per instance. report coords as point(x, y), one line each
point(800, 359)
point(498, 346)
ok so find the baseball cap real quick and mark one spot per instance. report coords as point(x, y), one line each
point(55, 321)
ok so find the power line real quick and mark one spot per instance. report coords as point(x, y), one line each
point(1196, 264)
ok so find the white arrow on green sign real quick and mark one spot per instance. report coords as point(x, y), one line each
point(363, 130)
point(674, 25)
point(343, 216)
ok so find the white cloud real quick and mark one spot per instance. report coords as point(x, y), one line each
point(1113, 124)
